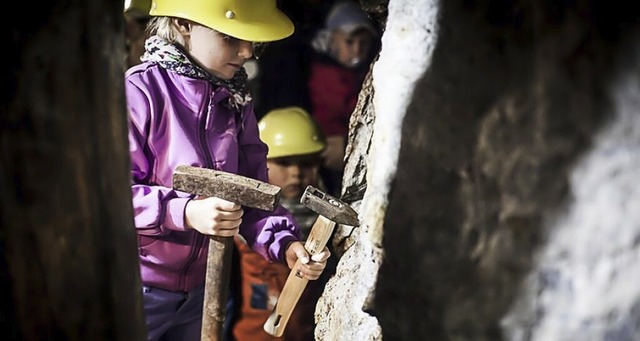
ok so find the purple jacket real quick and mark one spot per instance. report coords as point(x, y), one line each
point(175, 120)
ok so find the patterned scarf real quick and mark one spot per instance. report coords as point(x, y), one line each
point(173, 58)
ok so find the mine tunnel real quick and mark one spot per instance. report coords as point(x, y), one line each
point(492, 158)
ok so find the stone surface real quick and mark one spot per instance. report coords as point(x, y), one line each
point(583, 283)
point(496, 195)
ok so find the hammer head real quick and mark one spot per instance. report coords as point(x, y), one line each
point(228, 186)
point(329, 206)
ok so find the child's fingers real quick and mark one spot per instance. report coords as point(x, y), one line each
point(322, 256)
point(311, 271)
point(234, 216)
point(300, 252)
point(225, 205)
point(226, 232)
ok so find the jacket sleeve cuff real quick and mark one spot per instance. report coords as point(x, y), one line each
point(174, 215)
point(278, 249)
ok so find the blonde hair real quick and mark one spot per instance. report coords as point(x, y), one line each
point(165, 28)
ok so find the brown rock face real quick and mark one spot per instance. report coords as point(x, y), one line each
point(510, 101)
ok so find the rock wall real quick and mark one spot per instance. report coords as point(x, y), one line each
point(494, 159)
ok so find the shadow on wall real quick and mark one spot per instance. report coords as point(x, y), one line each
point(509, 103)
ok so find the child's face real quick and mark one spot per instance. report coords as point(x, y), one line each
point(351, 49)
point(219, 54)
point(293, 174)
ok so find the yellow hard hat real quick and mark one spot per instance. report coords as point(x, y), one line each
point(250, 20)
point(137, 8)
point(290, 131)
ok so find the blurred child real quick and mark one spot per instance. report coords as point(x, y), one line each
point(295, 143)
point(188, 105)
point(293, 162)
point(136, 16)
point(343, 50)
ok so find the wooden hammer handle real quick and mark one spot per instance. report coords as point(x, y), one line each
point(295, 285)
point(231, 187)
point(216, 287)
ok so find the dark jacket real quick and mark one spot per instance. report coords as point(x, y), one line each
point(333, 90)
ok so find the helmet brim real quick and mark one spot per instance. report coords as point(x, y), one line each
point(263, 30)
point(258, 23)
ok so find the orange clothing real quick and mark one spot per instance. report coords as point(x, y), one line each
point(262, 283)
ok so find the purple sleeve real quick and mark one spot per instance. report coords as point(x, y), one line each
point(156, 208)
point(272, 231)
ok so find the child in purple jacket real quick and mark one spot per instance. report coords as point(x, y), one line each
point(188, 104)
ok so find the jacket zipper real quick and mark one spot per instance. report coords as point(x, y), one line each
point(199, 238)
point(195, 251)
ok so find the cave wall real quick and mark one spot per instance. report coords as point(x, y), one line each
point(493, 160)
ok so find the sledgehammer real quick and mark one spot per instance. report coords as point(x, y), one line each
point(240, 190)
point(331, 211)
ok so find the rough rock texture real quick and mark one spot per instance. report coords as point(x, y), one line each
point(345, 302)
point(495, 223)
point(584, 278)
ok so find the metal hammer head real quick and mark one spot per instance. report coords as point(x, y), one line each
point(329, 206)
point(228, 186)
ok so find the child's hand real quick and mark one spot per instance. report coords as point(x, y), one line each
point(213, 216)
point(310, 268)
